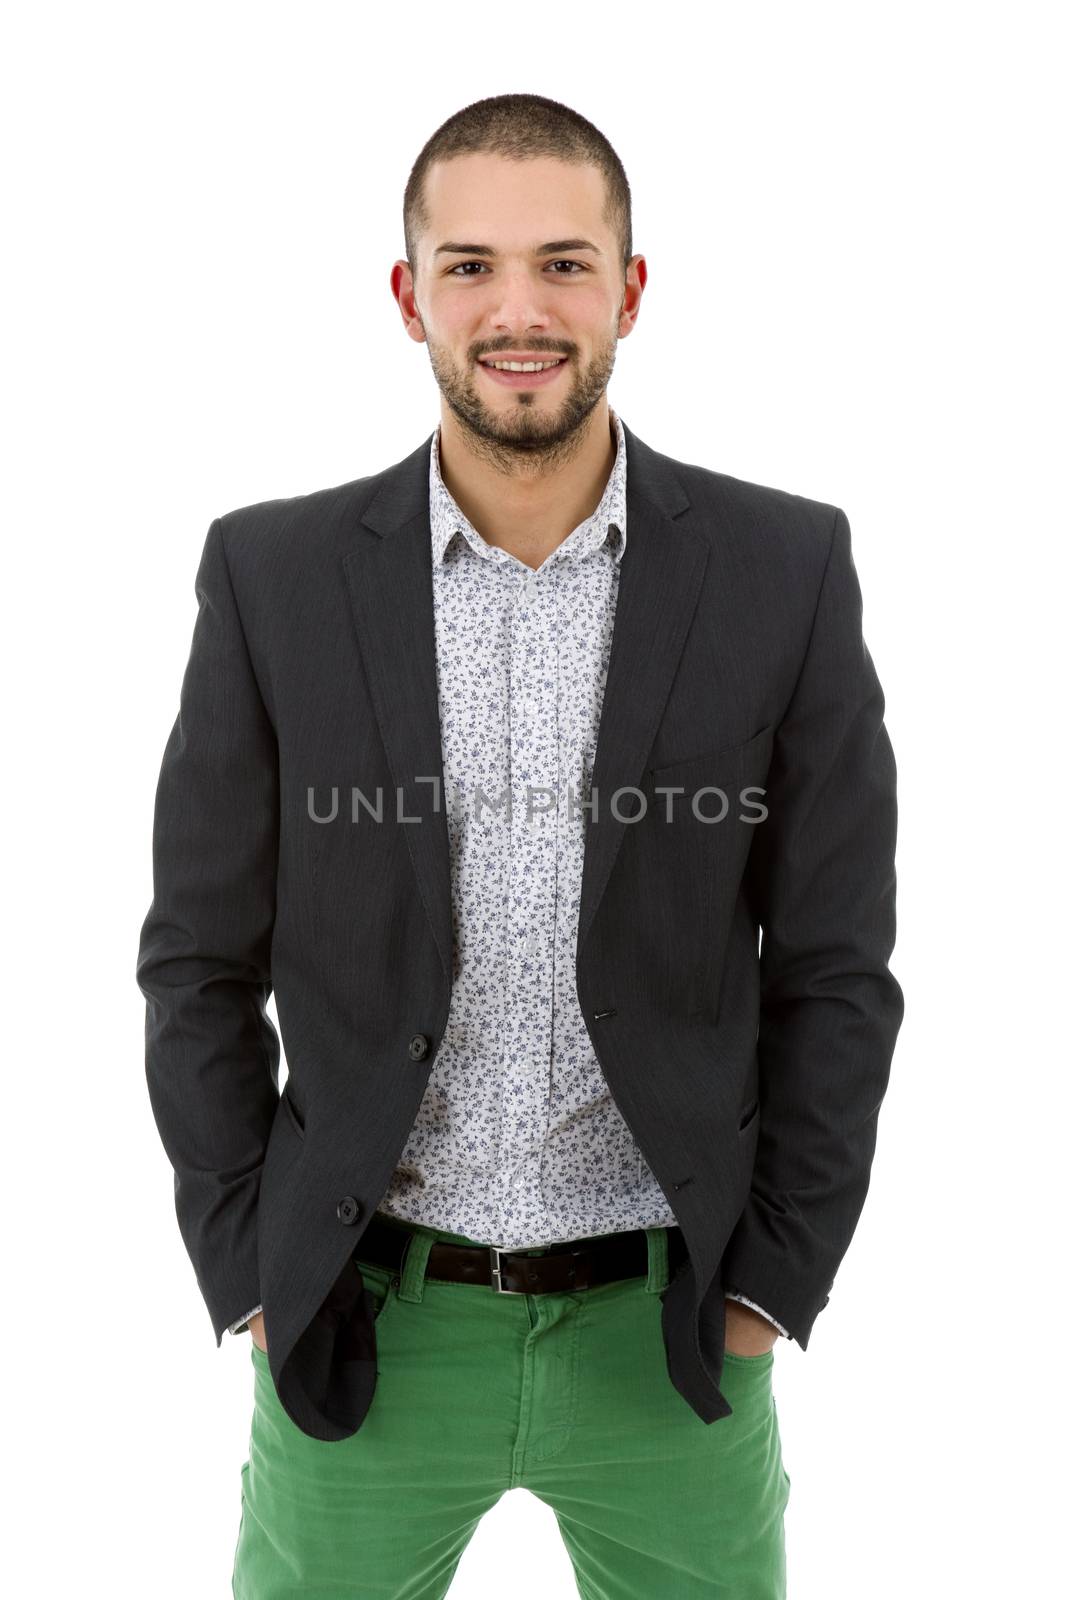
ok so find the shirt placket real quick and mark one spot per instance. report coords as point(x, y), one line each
point(531, 892)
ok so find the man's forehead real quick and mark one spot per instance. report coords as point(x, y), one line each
point(491, 194)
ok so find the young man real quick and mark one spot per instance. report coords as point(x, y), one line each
point(494, 767)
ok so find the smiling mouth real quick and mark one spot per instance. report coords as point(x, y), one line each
point(536, 375)
point(532, 364)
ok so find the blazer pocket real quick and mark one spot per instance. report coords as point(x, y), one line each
point(295, 1118)
point(697, 853)
point(725, 769)
point(748, 1116)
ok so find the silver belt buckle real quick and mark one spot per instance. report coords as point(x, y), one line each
point(494, 1271)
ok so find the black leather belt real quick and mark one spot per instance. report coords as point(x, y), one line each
point(575, 1264)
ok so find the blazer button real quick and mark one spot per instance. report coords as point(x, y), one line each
point(419, 1047)
point(348, 1209)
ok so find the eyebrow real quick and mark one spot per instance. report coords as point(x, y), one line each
point(556, 247)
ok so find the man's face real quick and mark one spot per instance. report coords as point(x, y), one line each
point(543, 304)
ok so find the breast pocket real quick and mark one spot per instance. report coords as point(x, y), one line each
point(724, 771)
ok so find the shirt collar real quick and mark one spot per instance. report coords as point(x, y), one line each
point(447, 520)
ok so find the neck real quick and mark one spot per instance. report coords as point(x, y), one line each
point(527, 505)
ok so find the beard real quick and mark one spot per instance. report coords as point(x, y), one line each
point(524, 427)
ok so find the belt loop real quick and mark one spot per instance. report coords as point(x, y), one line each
point(658, 1275)
point(413, 1272)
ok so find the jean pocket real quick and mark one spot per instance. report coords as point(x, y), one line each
point(261, 1366)
point(381, 1283)
point(764, 1359)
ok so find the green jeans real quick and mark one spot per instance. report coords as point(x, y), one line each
point(566, 1395)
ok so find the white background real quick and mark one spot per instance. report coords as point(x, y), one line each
point(854, 293)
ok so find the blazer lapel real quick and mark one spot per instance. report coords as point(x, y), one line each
point(659, 581)
point(390, 581)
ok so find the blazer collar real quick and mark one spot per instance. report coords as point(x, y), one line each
point(403, 489)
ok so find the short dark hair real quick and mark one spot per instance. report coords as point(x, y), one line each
point(521, 127)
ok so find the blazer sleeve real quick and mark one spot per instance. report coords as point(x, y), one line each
point(823, 866)
point(211, 1052)
point(733, 1294)
point(242, 1322)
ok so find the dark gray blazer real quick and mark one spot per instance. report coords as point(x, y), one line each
point(750, 1073)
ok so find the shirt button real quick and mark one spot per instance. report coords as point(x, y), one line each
point(348, 1209)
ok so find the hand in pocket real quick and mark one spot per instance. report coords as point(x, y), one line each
point(747, 1333)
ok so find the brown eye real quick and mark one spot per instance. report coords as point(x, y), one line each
point(456, 270)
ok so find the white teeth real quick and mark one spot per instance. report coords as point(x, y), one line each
point(521, 366)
